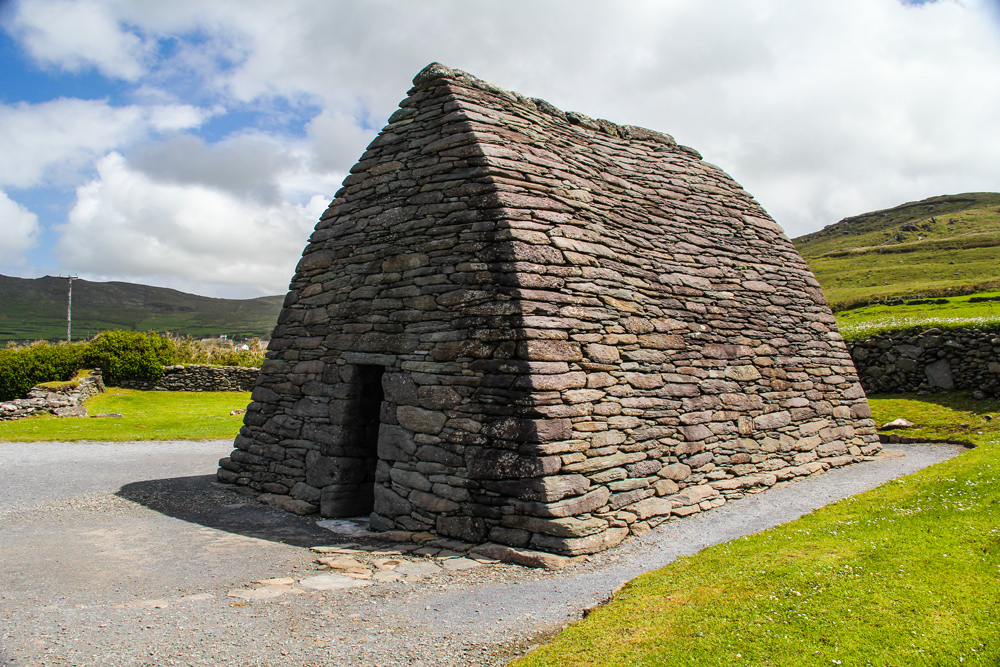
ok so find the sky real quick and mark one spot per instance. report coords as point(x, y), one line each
point(194, 145)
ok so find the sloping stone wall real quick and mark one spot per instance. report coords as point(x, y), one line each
point(198, 378)
point(929, 361)
point(527, 326)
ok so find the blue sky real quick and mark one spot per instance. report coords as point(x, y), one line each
point(193, 145)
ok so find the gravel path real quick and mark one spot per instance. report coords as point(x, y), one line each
point(129, 554)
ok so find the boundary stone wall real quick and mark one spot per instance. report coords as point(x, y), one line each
point(66, 402)
point(525, 326)
point(198, 378)
point(929, 361)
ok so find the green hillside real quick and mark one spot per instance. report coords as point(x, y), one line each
point(940, 246)
point(36, 309)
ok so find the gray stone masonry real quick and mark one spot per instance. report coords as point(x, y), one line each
point(525, 326)
point(930, 361)
point(198, 378)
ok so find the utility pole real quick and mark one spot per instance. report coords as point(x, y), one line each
point(69, 308)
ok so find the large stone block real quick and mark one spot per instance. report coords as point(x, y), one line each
point(582, 545)
point(395, 443)
point(568, 507)
point(564, 527)
point(466, 528)
point(483, 463)
point(326, 470)
point(420, 420)
point(939, 374)
point(541, 489)
point(548, 350)
point(529, 430)
point(389, 503)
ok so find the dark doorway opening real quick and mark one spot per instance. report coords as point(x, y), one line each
point(346, 467)
point(367, 418)
point(369, 414)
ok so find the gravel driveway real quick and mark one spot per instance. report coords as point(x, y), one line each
point(129, 554)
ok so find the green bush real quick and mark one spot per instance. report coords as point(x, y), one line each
point(121, 355)
point(213, 352)
point(24, 367)
point(129, 355)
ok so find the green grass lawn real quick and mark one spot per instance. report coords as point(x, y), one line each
point(849, 279)
point(146, 415)
point(959, 311)
point(940, 245)
point(906, 574)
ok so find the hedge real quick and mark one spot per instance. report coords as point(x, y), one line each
point(22, 368)
point(121, 355)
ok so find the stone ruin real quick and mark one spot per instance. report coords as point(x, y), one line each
point(524, 326)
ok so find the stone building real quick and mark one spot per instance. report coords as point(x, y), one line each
point(526, 326)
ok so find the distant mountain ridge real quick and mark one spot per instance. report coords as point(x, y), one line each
point(932, 247)
point(35, 309)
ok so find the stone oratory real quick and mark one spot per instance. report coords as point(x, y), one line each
point(525, 326)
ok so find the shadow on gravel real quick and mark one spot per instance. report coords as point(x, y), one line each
point(197, 500)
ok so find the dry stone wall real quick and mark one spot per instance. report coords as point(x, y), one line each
point(526, 326)
point(930, 361)
point(64, 402)
point(198, 378)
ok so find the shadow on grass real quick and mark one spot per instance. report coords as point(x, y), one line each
point(951, 415)
point(956, 400)
point(199, 500)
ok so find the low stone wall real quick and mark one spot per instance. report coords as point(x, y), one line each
point(929, 361)
point(66, 402)
point(198, 378)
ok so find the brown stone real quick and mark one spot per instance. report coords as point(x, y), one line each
point(549, 350)
point(564, 527)
point(602, 354)
point(649, 507)
point(542, 489)
point(568, 507)
point(662, 341)
point(525, 557)
point(582, 545)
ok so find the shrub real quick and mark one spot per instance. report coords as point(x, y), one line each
point(214, 352)
point(121, 355)
point(24, 367)
point(129, 355)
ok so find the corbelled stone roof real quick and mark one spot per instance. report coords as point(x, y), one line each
point(522, 325)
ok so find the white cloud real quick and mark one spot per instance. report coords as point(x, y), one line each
point(54, 140)
point(77, 34)
point(18, 230)
point(128, 226)
point(821, 109)
point(247, 166)
point(337, 140)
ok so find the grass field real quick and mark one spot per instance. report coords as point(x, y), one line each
point(938, 246)
point(146, 415)
point(959, 311)
point(903, 575)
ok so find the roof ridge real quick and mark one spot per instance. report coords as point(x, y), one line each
point(436, 70)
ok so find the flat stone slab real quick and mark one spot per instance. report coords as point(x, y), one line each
point(417, 568)
point(460, 564)
point(332, 582)
point(356, 527)
point(251, 594)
